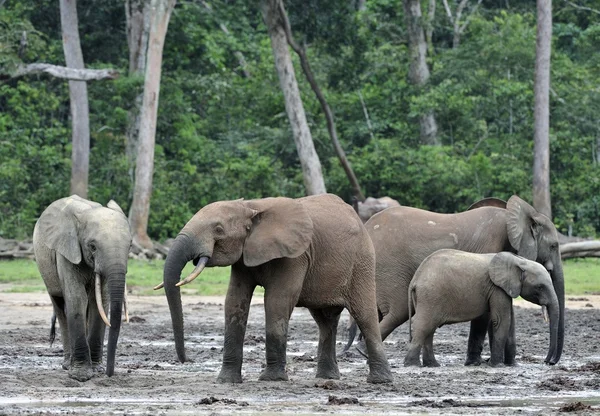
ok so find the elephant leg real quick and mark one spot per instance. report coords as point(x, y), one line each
point(417, 340)
point(479, 327)
point(96, 328)
point(327, 319)
point(510, 351)
point(428, 355)
point(500, 313)
point(364, 311)
point(280, 300)
point(59, 309)
point(237, 306)
point(76, 305)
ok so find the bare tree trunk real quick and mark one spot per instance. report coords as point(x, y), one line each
point(459, 29)
point(138, 30)
point(541, 150)
point(80, 154)
point(301, 52)
point(429, 26)
point(140, 207)
point(418, 73)
point(311, 165)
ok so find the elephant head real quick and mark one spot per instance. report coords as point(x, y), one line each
point(90, 235)
point(534, 237)
point(530, 280)
point(226, 232)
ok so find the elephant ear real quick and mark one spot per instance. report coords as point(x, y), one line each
point(114, 206)
point(506, 273)
point(58, 226)
point(522, 228)
point(488, 202)
point(281, 227)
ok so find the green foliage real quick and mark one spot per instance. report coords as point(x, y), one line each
point(221, 135)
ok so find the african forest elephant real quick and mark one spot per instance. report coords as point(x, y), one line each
point(312, 252)
point(81, 251)
point(403, 237)
point(455, 286)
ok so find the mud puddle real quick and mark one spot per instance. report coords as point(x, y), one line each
point(149, 380)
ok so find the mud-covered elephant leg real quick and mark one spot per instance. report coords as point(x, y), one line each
point(428, 355)
point(364, 311)
point(237, 306)
point(76, 303)
point(280, 300)
point(479, 327)
point(500, 319)
point(59, 309)
point(327, 319)
point(96, 328)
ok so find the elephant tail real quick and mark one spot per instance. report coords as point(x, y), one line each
point(352, 329)
point(52, 329)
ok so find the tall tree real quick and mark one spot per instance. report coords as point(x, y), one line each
point(311, 165)
point(138, 16)
point(541, 139)
point(80, 154)
point(418, 72)
point(301, 52)
point(140, 207)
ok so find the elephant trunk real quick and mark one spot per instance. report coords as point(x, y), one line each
point(116, 288)
point(558, 281)
point(180, 254)
point(554, 313)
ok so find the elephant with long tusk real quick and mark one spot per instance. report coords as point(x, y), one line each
point(81, 250)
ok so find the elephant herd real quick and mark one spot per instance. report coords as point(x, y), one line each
point(313, 252)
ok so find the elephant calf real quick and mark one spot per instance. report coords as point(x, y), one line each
point(453, 286)
point(81, 250)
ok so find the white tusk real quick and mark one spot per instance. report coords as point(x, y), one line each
point(126, 305)
point(159, 286)
point(545, 314)
point(199, 267)
point(99, 300)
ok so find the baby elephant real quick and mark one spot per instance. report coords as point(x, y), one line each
point(453, 286)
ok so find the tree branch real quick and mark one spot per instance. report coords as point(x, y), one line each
point(577, 6)
point(64, 72)
point(301, 52)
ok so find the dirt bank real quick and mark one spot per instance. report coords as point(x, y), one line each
point(148, 379)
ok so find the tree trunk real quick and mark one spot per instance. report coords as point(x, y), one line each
point(140, 207)
point(418, 73)
point(311, 165)
point(301, 52)
point(541, 150)
point(80, 154)
point(138, 30)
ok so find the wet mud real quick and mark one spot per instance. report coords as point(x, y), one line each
point(149, 380)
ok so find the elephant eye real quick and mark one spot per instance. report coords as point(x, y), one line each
point(92, 247)
point(219, 229)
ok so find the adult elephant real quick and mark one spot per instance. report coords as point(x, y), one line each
point(312, 252)
point(403, 237)
point(81, 250)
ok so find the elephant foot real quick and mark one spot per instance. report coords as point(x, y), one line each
point(82, 372)
point(98, 367)
point(328, 373)
point(227, 376)
point(411, 362)
point(380, 377)
point(273, 374)
point(495, 364)
point(475, 361)
point(361, 347)
point(430, 363)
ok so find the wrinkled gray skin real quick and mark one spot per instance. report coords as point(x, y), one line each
point(403, 237)
point(73, 240)
point(372, 206)
point(453, 286)
point(312, 252)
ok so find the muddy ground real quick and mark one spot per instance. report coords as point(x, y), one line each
point(148, 379)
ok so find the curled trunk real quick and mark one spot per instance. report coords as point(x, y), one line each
point(116, 287)
point(179, 254)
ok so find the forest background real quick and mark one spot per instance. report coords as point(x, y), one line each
point(222, 130)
